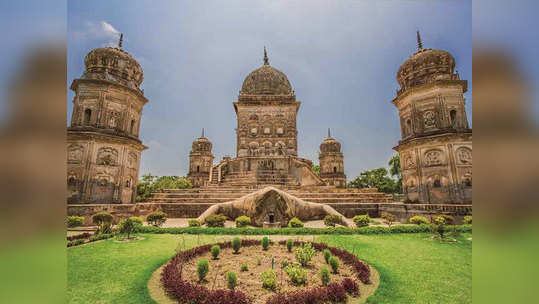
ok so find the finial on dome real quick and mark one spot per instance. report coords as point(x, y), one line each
point(266, 60)
point(121, 40)
point(419, 44)
point(202, 132)
point(329, 133)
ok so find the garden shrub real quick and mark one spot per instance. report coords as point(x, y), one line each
point(419, 220)
point(297, 275)
point(203, 267)
point(448, 219)
point(361, 220)
point(75, 242)
point(244, 267)
point(324, 275)
point(388, 218)
point(268, 279)
point(327, 255)
point(193, 223)
point(74, 221)
point(467, 220)
point(334, 263)
point(284, 263)
point(215, 250)
point(231, 280)
point(216, 220)
point(304, 253)
point(84, 235)
point(265, 243)
point(129, 225)
point(236, 244)
point(242, 221)
point(295, 223)
point(350, 286)
point(156, 218)
point(332, 219)
point(289, 245)
point(103, 220)
point(439, 226)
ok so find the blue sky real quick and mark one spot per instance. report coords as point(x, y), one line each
point(341, 58)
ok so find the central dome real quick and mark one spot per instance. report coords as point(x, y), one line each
point(266, 80)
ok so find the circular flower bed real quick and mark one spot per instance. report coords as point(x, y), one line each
point(179, 276)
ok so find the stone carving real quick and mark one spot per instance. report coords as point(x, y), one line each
point(429, 119)
point(433, 158)
point(107, 156)
point(75, 153)
point(409, 161)
point(464, 156)
point(132, 160)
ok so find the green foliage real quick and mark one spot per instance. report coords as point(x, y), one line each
point(75, 242)
point(265, 243)
point(448, 219)
point(361, 220)
point(99, 237)
point(215, 250)
point(129, 225)
point(331, 220)
point(244, 267)
point(74, 221)
point(395, 171)
point(284, 263)
point(193, 223)
point(467, 220)
point(103, 220)
point(376, 178)
point(242, 221)
point(304, 253)
point(438, 226)
point(388, 218)
point(419, 220)
point(156, 218)
point(297, 275)
point(149, 184)
point(203, 267)
point(289, 245)
point(334, 263)
point(316, 169)
point(295, 223)
point(268, 279)
point(236, 244)
point(231, 280)
point(216, 220)
point(327, 255)
point(324, 275)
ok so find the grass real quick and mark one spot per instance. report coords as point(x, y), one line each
point(413, 268)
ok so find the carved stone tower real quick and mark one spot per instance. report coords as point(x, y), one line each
point(266, 111)
point(332, 162)
point(436, 145)
point(103, 147)
point(200, 161)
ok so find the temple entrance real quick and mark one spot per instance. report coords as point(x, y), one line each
point(271, 218)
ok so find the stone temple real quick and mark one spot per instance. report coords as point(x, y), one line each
point(104, 150)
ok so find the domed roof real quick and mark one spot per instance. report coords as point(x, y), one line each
point(113, 64)
point(201, 144)
point(330, 144)
point(425, 66)
point(266, 80)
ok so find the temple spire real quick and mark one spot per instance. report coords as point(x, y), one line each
point(121, 40)
point(202, 132)
point(419, 44)
point(329, 133)
point(266, 60)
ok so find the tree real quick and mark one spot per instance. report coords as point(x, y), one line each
point(376, 178)
point(395, 170)
point(316, 169)
point(149, 184)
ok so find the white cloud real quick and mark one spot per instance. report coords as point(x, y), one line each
point(102, 30)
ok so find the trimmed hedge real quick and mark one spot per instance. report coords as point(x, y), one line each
point(243, 221)
point(295, 223)
point(215, 220)
point(74, 221)
point(331, 220)
point(361, 220)
point(92, 238)
point(297, 231)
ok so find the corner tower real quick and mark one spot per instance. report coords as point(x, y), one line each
point(436, 145)
point(332, 162)
point(200, 161)
point(103, 145)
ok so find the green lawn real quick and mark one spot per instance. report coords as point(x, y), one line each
point(413, 268)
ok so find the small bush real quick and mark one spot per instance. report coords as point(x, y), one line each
point(242, 221)
point(265, 243)
point(350, 286)
point(295, 223)
point(304, 254)
point(216, 220)
point(244, 267)
point(284, 263)
point(203, 267)
point(74, 221)
point(324, 275)
point(156, 218)
point(332, 219)
point(334, 263)
point(361, 220)
point(467, 220)
point(289, 245)
point(297, 275)
point(389, 218)
point(327, 255)
point(236, 244)
point(231, 280)
point(418, 220)
point(103, 220)
point(438, 226)
point(268, 279)
point(193, 223)
point(448, 219)
point(129, 225)
point(215, 250)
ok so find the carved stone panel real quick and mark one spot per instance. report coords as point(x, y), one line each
point(464, 156)
point(75, 154)
point(433, 157)
point(107, 156)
